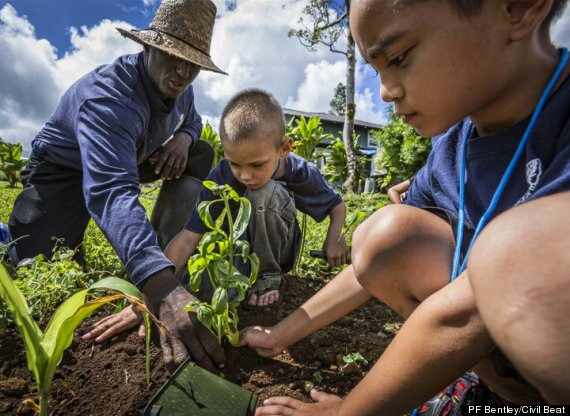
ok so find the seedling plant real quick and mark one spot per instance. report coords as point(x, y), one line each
point(44, 349)
point(218, 252)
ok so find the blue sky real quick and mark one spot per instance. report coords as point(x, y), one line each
point(53, 18)
point(45, 45)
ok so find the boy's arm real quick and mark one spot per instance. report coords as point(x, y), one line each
point(335, 246)
point(340, 296)
point(181, 247)
point(442, 338)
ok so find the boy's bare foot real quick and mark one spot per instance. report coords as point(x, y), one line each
point(264, 299)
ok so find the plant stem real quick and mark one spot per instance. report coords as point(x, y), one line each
point(44, 403)
point(230, 234)
point(303, 236)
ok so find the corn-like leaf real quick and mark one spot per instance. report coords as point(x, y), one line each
point(30, 331)
point(61, 327)
point(119, 285)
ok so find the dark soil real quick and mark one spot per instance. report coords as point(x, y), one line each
point(109, 379)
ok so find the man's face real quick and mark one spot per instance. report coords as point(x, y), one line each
point(253, 161)
point(436, 67)
point(169, 74)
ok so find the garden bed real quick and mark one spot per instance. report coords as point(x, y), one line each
point(110, 378)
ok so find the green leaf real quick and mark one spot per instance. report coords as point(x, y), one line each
point(254, 266)
point(242, 220)
point(118, 285)
point(242, 248)
point(220, 300)
point(208, 242)
point(209, 184)
point(204, 212)
point(61, 327)
point(205, 315)
point(31, 333)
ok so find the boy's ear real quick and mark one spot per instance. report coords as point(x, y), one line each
point(525, 16)
point(286, 147)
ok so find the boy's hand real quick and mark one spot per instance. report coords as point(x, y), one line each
point(261, 340)
point(114, 324)
point(325, 404)
point(338, 252)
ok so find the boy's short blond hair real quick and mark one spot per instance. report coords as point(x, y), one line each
point(252, 113)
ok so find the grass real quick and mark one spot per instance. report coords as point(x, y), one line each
point(48, 283)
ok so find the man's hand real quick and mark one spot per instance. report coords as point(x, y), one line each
point(261, 340)
point(170, 162)
point(326, 404)
point(189, 337)
point(114, 324)
point(338, 252)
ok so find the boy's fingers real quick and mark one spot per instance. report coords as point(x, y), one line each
point(321, 396)
point(142, 331)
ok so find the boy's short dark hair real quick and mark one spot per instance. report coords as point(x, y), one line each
point(468, 8)
point(251, 113)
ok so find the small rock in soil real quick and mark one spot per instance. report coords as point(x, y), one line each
point(13, 386)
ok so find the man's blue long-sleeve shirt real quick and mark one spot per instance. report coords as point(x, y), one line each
point(106, 124)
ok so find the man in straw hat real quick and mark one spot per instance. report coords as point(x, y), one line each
point(129, 122)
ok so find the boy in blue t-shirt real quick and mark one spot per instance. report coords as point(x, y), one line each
point(258, 164)
point(470, 73)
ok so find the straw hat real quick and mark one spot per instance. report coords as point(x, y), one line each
point(182, 28)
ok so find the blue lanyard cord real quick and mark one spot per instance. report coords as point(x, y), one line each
point(461, 216)
point(506, 176)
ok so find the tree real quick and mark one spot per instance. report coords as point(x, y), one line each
point(338, 103)
point(403, 153)
point(11, 161)
point(325, 22)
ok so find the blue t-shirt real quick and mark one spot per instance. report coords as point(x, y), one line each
point(106, 124)
point(543, 169)
point(311, 193)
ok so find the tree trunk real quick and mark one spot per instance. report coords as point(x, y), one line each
point(351, 183)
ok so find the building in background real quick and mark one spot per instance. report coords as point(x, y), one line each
point(333, 124)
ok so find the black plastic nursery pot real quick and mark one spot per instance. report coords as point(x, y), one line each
point(191, 390)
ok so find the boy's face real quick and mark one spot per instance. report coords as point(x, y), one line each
point(436, 67)
point(253, 161)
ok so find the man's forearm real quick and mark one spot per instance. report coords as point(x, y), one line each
point(443, 338)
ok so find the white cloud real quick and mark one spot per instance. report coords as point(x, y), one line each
point(561, 29)
point(250, 42)
point(317, 89)
point(92, 47)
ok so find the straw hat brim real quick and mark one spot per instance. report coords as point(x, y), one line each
point(173, 46)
